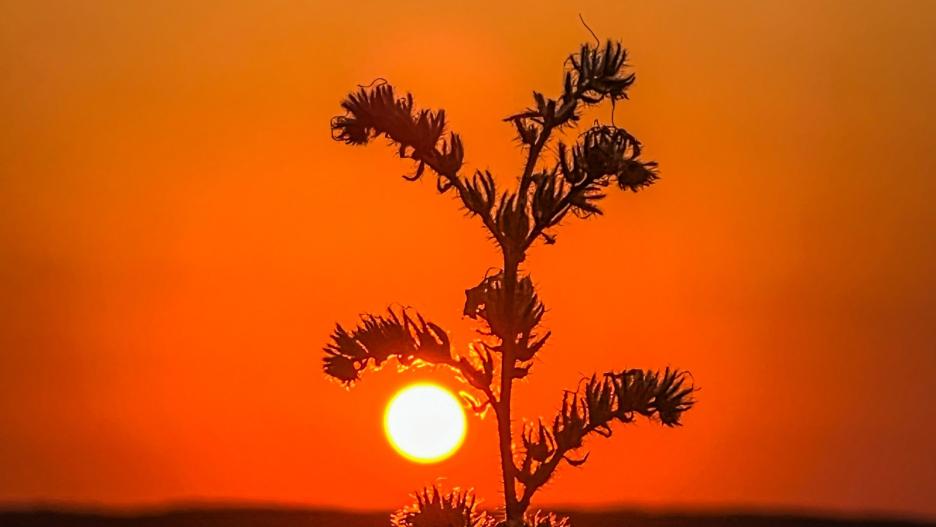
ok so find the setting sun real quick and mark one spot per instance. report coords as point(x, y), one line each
point(425, 423)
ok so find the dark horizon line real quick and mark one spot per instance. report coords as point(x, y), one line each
point(199, 505)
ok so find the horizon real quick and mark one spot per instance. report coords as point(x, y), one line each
point(662, 511)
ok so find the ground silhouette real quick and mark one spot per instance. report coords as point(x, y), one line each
point(297, 517)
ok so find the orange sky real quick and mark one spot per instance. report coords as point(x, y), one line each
point(178, 235)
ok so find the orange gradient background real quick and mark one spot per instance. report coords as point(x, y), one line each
point(178, 235)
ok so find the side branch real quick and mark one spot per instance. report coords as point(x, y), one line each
point(662, 396)
point(594, 74)
point(413, 341)
point(420, 136)
point(607, 153)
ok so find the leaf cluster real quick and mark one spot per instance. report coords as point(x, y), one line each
point(514, 319)
point(419, 135)
point(613, 397)
point(459, 508)
point(432, 508)
point(573, 181)
point(379, 337)
point(603, 154)
point(411, 339)
point(591, 76)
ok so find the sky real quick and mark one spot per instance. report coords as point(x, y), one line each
point(179, 234)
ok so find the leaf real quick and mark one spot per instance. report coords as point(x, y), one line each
point(379, 337)
point(374, 112)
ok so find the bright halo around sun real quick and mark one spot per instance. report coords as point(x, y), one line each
point(425, 423)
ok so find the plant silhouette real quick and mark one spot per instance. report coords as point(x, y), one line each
point(572, 180)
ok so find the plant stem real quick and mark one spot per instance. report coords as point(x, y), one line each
point(504, 431)
point(513, 508)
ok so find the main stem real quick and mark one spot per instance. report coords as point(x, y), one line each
point(514, 509)
point(513, 512)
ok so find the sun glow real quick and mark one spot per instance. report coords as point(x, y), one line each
point(425, 423)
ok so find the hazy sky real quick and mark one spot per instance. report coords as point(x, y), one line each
point(178, 234)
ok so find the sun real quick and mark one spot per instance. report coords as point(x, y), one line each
point(425, 423)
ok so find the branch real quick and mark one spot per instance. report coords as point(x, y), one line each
point(412, 340)
point(604, 155)
point(379, 337)
point(372, 112)
point(592, 75)
point(661, 396)
point(418, 135)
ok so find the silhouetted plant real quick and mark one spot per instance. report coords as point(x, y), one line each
point(434, 509)
point(505, 303)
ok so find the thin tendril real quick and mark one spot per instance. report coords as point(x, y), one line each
point(597, 40)
point(381, 80)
